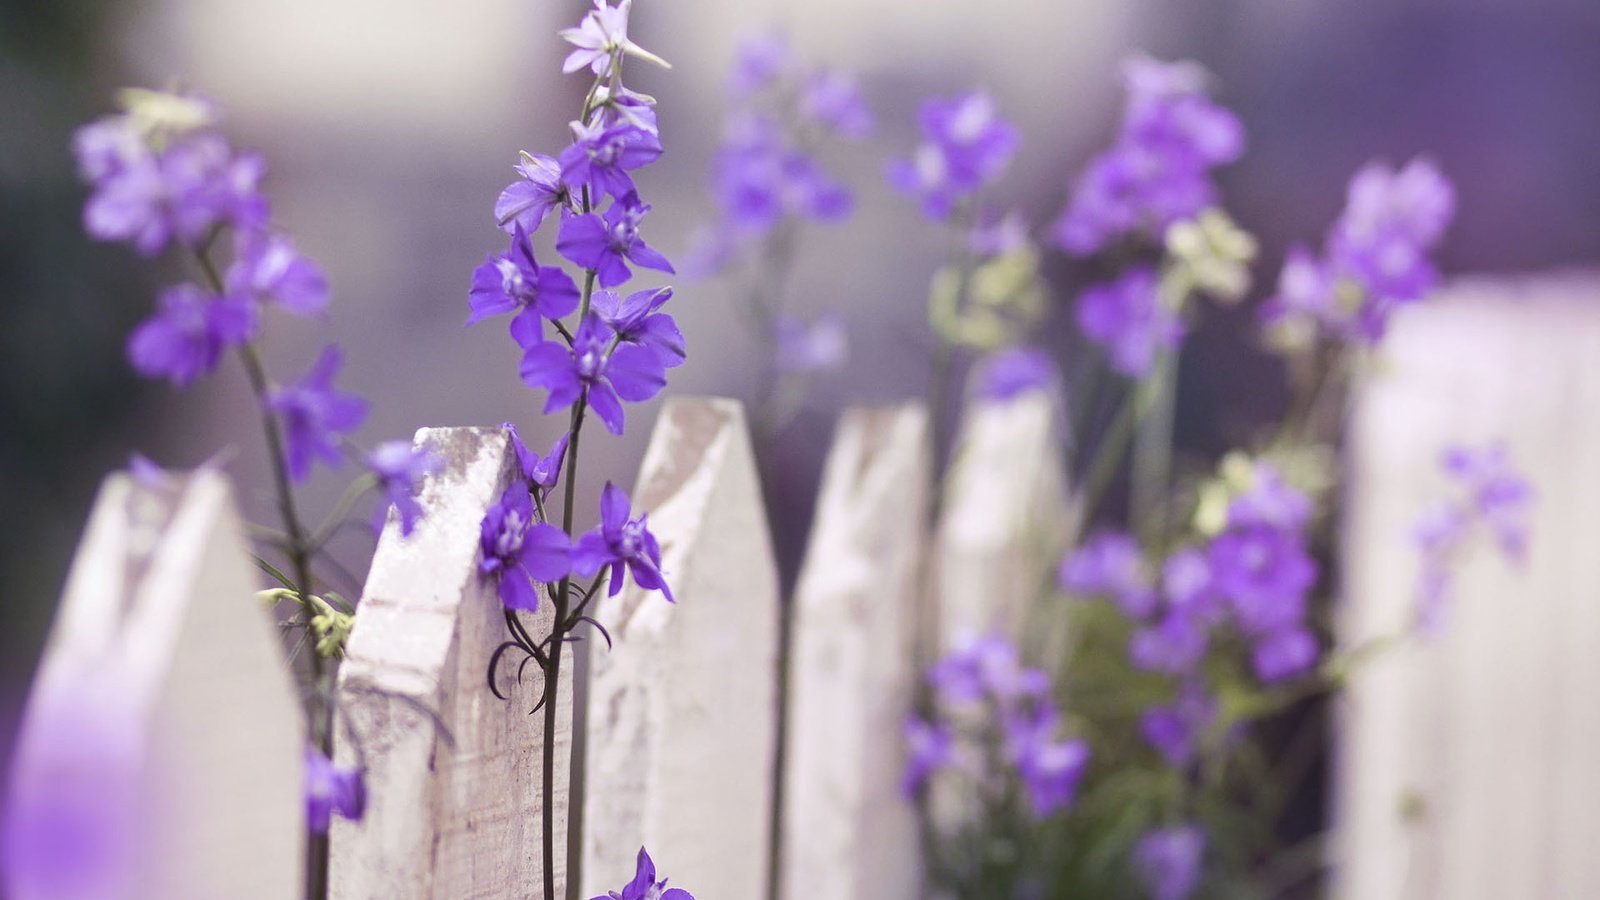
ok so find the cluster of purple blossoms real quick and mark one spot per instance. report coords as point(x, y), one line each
point(1255, 574)
point(965, 146)
point(1168, 861)
point(767, 178)
point(986, 696)
point(1375, 258)
point(644, 885)
point(161, 174)
point(620, 345)
point(1492, 499)
point(1158, 171)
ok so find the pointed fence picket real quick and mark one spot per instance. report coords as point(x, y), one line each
point(163, 737)
point(848, 834)
point(1004, 521)
point(682, 709)
point(1467, 760)
point(454, 803)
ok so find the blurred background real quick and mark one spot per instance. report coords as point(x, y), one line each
point(391, 126)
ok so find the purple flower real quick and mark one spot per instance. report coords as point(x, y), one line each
point(1390, 220)
point(1013, 371)
point(188, 333)
point(999, 235)
point(519, 550)
point(1270, 502)
point(984, 667)
point(1109, 563)
point(832, 99)
point(526, 202)
point(314, 414)
point(608, 244)
point(400, 469)
point(966, 145)
point(929, 747)
point(331, 789)
point(1187, 584)
point(1305, 297)
point(1172, 729)
point(620, 542)
point(594, 370)
point(1158, 170)
point(268, 267)
point(601, 36)
point(515, 282)
point(1172, 646)
point(601, 156)
point(538, 472)
point(1264, 573)
point(1167, 861)
point(636, 320)
point(759, 62)
point(760, 178)
point(1497, 494)
point(1283, 653)
point(818, 347)
point(644, 885)
point(1128, 318)
point(1050, 774)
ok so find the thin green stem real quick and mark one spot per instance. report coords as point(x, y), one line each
point(1152, 449)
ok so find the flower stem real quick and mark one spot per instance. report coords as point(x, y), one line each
point(1152, 449)
point(298, 548)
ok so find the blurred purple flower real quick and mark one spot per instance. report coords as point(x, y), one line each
point(608, 244)
point(1168, 860)
point(929, 748)
point(1495, 497)
point(1187, 585)
point(965, 146)
point(526, 202)
point(514, 282)
point(332, 789)
point(1129, 320)
point(1173, 728)
point(1013, 371)
point(621, 543)
point(644, 885)
point(314, 414)
point(1173, 646)
point(268, 267)
point(186, 336)
point(1283, 653)
point(819, 347)
point(1270, 502)
point(594, 370)
point(759, 61)
point(1264, 574)
point(400, 469)
point(519, 551)
point(1050, 774)
point(760, 179)
point(1109, 563)
point(832, 100)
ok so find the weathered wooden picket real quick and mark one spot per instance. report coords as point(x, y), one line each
point(1488, 731)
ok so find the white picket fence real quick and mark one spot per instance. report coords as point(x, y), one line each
point(1493, 727)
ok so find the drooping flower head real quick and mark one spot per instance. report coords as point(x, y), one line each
point(517, 550)
point(400, 468)
point(514, 282)
point(540, 472)
point(332, 789)
point(623, 543)
point(644, 885)
point(314, 415)
point(527, 201)
point(596, 369)
point(188, 333)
